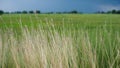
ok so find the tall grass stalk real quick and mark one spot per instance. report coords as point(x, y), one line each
point(51, 48)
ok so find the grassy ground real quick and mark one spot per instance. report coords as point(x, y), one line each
point(60, 41)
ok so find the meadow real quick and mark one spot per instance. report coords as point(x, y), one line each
point(60, 41)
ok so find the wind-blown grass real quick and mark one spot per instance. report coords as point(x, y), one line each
point(54, 47)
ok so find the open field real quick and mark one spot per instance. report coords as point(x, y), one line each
point(60, 41)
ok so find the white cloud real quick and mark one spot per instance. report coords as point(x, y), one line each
point(109, 7)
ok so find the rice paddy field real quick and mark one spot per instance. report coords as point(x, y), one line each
point(60, 41)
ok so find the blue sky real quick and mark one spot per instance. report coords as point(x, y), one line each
point(59, 5)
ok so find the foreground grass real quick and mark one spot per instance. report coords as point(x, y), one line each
point(59, 46)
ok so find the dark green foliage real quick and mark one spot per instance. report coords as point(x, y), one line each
point(58, 12)
point(109, 12)
point(113, 11)
point(6, 12)
point(1, 12)
point(31, 12)
point(118, 12)
point(18, 12)
point(38, 12)
point(24, 12)
point(49, 13)
point(74, 12)
point(100, 12)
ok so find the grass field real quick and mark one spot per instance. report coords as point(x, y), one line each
point(60, 41)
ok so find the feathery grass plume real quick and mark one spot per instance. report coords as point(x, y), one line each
point(49, 46)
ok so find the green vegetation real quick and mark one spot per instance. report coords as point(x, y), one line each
point(1, 12)
point(60, 41)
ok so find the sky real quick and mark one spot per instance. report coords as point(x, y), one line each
point(86, 6)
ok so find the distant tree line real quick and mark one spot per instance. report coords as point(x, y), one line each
point(39, 12)
point(69, 12)
point(1, 12)
point(20, 12)
point(26, 12)
point(109, 12)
